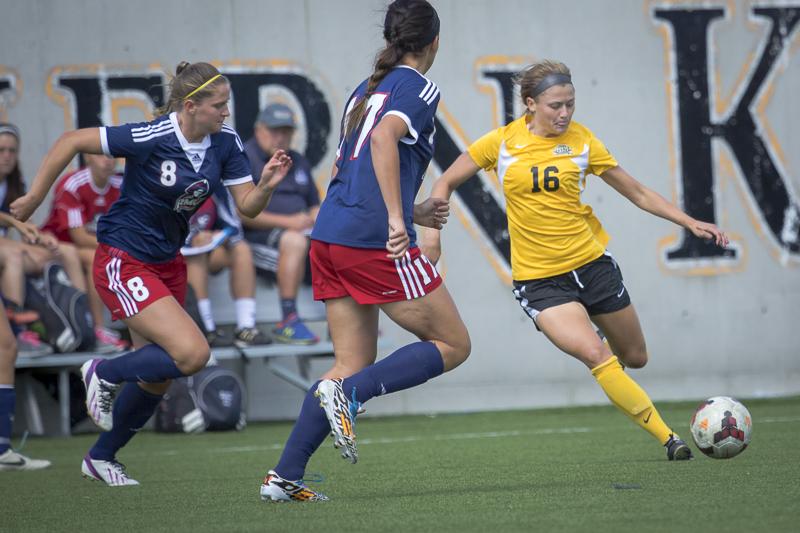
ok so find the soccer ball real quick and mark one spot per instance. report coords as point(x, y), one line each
point(721, 427)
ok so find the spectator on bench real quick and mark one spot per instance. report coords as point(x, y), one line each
point(80, 198)
point(279, 235)
point(28, 257)
point(216, 241)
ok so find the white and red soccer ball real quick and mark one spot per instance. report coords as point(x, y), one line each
point(721, 427)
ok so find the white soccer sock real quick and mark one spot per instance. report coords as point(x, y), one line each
point(245, 313)
point(206, 314)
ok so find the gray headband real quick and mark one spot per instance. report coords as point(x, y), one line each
point(10, 128)
point(550, 80)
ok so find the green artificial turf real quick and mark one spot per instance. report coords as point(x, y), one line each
point(583, 469)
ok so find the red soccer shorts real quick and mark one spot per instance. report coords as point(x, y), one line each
point(127, 285)
point(368, 276)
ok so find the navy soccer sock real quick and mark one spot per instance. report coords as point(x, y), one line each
point(132, 409)
point(150, 364)
point(7, 401)
point(407, 367)
point(308, 433)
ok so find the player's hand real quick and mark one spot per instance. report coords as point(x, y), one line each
point(276, 169)
point(430, 244)
point(23, 207)
point(708, 231)
point(432, 213)
point(398, 242)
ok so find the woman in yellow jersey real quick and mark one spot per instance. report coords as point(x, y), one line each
point(564, 278)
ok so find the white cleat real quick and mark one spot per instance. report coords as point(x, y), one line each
point(112, 473)
point(11, 460)
point(341, 416)
point(276, 489)
point(100, 395)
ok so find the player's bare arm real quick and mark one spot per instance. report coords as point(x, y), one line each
point(649, 200)
point(386, 161)
point(460, 171)
point(252, 199)
point(63, 151)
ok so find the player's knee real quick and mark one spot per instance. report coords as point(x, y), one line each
point(191, 357)
point(595, 355)
point(635, 358)
point(633, 355)
point(456, 350)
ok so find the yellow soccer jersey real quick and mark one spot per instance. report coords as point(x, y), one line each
point(551, 231)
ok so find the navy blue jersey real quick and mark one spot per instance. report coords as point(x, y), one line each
point(353, 212)
point(166, 180)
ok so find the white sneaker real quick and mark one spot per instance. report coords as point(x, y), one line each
point(276, 489)
point(99, 395)
point(111, 472)
point(341, 416)
point(11, 460)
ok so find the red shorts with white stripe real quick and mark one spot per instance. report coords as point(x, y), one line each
point(127, 285)
point(368, 276)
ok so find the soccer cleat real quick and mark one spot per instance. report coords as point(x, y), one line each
point(112, 473)
point(276, 489)
point(341, 415)
point(11, 460)
point(108, 341)
point(677, 450)
point(246, 337)
point(99, 395)
point(292, 330)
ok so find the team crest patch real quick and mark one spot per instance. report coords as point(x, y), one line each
point(562, 149)
point(193, 196)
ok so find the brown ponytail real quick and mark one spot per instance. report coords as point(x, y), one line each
point(409, 26)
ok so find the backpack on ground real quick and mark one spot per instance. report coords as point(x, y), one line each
point(211, 400)
point(63, 310)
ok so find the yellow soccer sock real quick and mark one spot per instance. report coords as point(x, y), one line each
point(630, 398)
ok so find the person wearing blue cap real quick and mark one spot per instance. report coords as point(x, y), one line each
point(279, 235)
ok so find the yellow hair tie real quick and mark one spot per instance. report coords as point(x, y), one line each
point(201, 87)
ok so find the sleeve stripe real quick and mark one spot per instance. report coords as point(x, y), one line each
point(412, 133)
point(425, 90)
point(104, 141)
point(144, 130)
point(432, 96)
point(237, 181)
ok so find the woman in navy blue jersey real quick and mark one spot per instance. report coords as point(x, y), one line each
point(172, 164)
point(364, 257)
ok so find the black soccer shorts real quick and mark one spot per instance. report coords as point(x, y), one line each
point(597, 286)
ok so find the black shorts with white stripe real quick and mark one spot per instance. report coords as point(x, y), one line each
point(597, 285)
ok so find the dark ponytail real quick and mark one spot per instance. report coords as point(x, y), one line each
point(409, 26)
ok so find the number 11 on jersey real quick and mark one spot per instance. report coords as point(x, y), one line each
point(374, 105)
